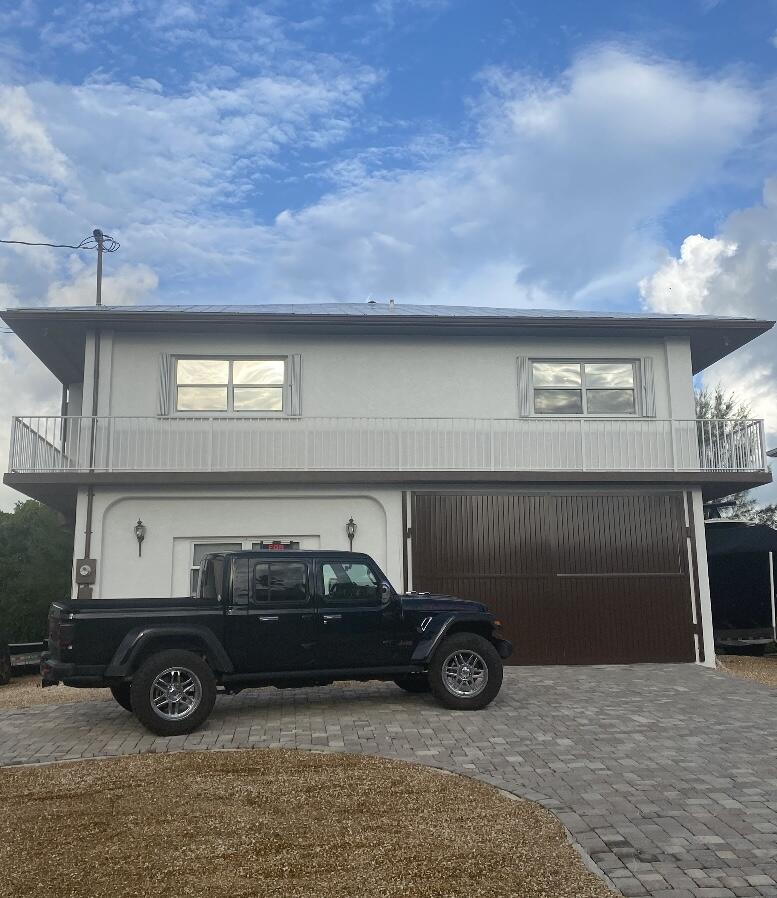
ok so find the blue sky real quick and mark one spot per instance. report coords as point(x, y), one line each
point(555, 154)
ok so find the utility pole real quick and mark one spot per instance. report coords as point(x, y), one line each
point(99, 239)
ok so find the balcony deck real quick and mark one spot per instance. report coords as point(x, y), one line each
point(211, 444)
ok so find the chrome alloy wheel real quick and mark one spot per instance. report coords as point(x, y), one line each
point(176, 693)
point(465, 674)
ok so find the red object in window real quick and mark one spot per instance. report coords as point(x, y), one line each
point(276, 547)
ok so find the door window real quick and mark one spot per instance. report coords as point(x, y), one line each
point(349, 583)
point(280, 583)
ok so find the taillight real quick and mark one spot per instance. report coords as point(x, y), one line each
point(60, 633)
point(53, 630)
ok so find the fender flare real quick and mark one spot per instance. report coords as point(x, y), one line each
point(426, 647)
point(136, 640)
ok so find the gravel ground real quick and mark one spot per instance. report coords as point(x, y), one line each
point(762, 670)
point(25, 691)
point(276, 823)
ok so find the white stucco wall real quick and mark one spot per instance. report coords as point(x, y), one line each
point(346, 376)
point(176, 518)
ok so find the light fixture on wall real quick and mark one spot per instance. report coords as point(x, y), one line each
point(350, 531)
point(140, 535)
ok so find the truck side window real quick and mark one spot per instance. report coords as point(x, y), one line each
point(240, 581)
point(280, 583)
point(347, 583)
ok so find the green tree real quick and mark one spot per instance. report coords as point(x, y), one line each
point(717, 404)
point(36, 554)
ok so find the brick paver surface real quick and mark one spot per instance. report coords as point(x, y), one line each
point(665, 775)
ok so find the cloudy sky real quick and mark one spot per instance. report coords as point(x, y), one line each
point(559, 155)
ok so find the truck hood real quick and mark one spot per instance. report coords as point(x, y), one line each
point(435, 603)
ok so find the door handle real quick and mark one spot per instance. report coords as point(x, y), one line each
point(266, 618)
point(328, 617)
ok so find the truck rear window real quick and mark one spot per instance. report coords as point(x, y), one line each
point(211, 578)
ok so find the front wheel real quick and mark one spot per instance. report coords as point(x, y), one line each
point(121, 693)
point(173, 692)
point(465, 673)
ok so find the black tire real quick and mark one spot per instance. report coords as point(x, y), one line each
point(192, 668)
point(121, 693)
point(413, 683)
point(491, 664)
point(5, 664)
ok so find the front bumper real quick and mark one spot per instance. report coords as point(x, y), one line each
point(504, 647)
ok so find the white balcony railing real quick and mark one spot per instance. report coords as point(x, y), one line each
point(106, 444)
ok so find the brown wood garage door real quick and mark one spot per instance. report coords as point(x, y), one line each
point(575, 579)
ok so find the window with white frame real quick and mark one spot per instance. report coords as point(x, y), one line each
point(584, 388)
point(230, 385)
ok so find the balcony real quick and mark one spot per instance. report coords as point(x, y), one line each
point(114, 445)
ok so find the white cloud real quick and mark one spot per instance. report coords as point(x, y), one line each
point(733, 273)
point(683, 285)
point(563, 183)
point(129, 285)
point(26, 135)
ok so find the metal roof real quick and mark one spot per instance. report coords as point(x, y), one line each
point(57, 335)
point(371, 310)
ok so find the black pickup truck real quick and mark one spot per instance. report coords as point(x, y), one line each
point(273, 619)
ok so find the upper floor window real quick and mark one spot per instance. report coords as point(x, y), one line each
point(584, 388)
point(230, 385)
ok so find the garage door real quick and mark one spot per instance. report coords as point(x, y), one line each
point(575, 579)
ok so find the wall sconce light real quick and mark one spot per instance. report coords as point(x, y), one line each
point(350, 531)
point(140, 535)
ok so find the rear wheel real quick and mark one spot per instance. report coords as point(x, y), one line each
point(465, 673)
point(173, 692)
point(121, 692)
point(413, 682)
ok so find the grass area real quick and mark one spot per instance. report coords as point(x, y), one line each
point(26, 691)
point(276, 823)
point(761, 669)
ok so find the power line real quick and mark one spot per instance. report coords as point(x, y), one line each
point(110, 245)
point(103, 243)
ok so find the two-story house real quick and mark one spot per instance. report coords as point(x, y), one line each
point(548, 463)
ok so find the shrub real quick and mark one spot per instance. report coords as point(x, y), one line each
point(36, 556)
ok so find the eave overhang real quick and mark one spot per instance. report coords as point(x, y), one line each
point(58, 336)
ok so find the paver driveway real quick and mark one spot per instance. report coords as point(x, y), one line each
point(666, 775)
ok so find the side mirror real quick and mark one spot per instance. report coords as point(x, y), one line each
point(386, 592)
